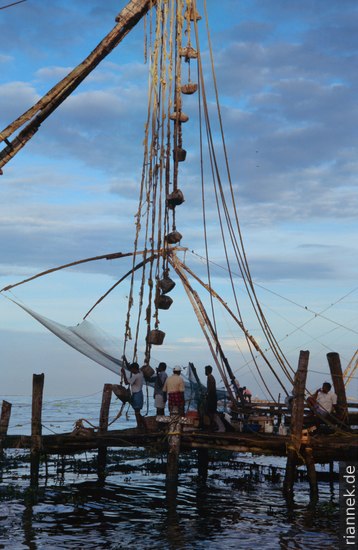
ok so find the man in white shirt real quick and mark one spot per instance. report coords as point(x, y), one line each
point(323, 401)
point(135, 381)
point(174, 386)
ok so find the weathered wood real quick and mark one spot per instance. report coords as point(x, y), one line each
point(106, 403)
point(36, 418)
point(296, 422)
point(5, 417)
point(311, 472)
point(103, 427)
point(338, 384)
point(126, 20)
point(174, 436)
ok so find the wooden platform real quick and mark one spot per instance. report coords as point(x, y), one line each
point(326, 448)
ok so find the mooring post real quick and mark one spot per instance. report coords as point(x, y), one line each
point(296, 422)
point(36, 426)
point(5, 418)
point(338, 384)
point(174, 436)
point(36, 419)
point(103, 427)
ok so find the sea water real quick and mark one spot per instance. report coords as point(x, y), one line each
point(239, 506)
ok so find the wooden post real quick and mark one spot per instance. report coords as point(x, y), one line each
point(203, 463)
point(338, 384)
point(36, 426)
point(174, 436)
point(311, 473)
point(37, 396)
point(296, 422)
point(103, 427)
point(5, 418)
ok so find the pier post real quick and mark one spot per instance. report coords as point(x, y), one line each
point(338, 384)
point(203, 463)
point(296, 422)
point(311, 473)
point(36, 426)
point(174, 436)
point(103, 427)
point(4, 420)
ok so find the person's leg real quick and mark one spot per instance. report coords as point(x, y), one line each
point(140, 420)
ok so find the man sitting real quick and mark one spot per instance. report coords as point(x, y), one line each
point(323, 401)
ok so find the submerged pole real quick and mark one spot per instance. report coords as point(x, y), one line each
point(299, 385)
point(5, 417)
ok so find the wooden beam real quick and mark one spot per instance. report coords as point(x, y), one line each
point(126, 20)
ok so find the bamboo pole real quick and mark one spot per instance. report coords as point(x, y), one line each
point(338, 384)
point(296, 422)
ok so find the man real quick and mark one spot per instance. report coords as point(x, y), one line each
point(159, 394)
point(135, 381)
point(323, 401)
point(174, 387)
point(212, 401)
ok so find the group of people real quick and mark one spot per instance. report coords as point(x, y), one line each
point(171, 389)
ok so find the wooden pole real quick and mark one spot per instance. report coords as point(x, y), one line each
point(338, 384)
point(174, 436)
point(103, 427)
point(5, 418)
point(298, 392)
point(311, 472)
point(37, 396)
point(125, 21)
point(36, 426)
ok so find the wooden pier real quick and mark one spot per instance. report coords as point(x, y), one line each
point(174, 434)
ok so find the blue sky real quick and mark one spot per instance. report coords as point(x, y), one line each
point(288, 87)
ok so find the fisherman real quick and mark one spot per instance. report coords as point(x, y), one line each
point(135, 381)
point(160, 397)
point(323, 401)
point(174, 386)
point(212, 401)
point(247, 394)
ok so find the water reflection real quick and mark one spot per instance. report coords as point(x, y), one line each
point(134, 506)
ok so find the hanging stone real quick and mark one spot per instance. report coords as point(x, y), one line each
point(174, 237)
point(189, 88)
point(193, 14)
point(176, 198)
point(179, 154)
point(147, 371)
point(163, 302)
point(188, 52)
point(166, 284)
point(156, 337)
point(179, 116)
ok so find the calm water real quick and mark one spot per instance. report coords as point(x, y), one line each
point(239, 506)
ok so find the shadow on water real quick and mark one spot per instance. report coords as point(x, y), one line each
point(133, 506)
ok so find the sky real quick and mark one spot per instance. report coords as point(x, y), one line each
point(287, 82)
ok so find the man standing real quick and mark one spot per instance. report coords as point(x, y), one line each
point(212, 401)
point(135, 381)
point(174, 387)
point(159, 394)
